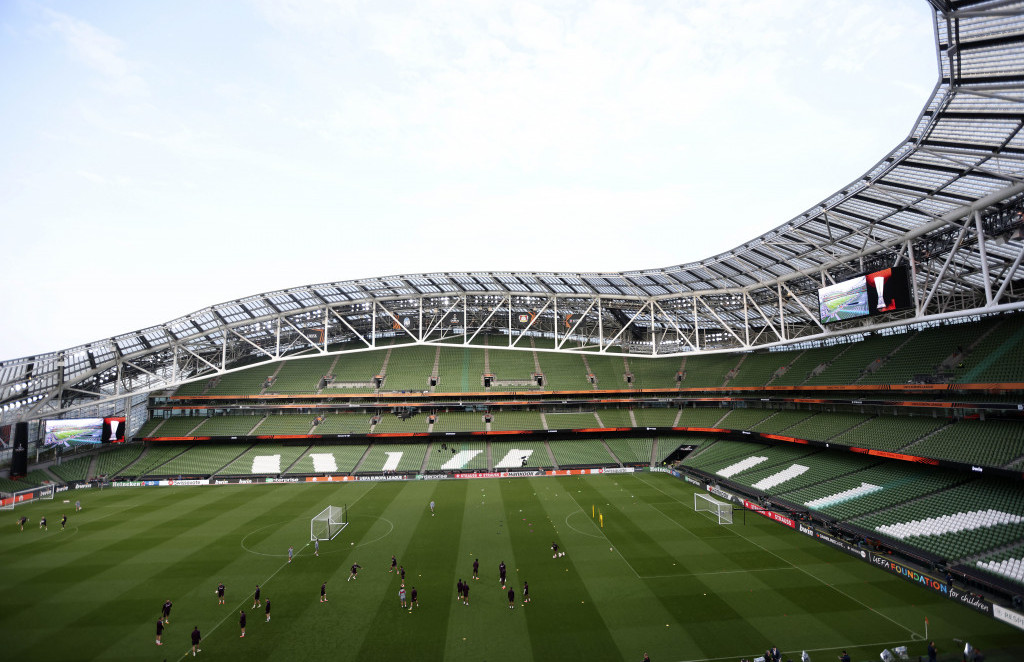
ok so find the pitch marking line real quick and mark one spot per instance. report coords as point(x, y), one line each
point(263, 583)
point(806, 572)
point(603, 535)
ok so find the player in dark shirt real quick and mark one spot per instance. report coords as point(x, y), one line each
point(256, 597)
point(845, 657)
point(511, 599)
point(526, 592)
point(241, 622)
point(412, 599)
point(22, 521)
point(167, 612)
point(268, 610)
point(159, 631)
point(394, 564)
point(323, 592)
point(63, 521)
point(459, 587)
point(354, 573)
point(476, 569)
point(401, 573)
point(196, 638)
point(554, 550)
point(42, 524)
point(220, 594)
point(932, 652)
point(501, 573)
point(465, 594)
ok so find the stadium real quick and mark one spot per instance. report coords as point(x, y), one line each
point(813, 441)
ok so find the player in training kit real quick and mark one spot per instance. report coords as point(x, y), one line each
point(316, 548)
point(63, 521)
point(511, 598)
point(501, 573)
point(401, 597)
point(78, 506)
point(554, 550)
point(267, 609)
point(241, 622)
point(476, 568)
point(159, 631)
point(291, 553)
point(21, 522)
point(323, 592)
point(196, 638)
point(220, 594)
point(458, 587)
point(167, 612)
point(354, 572)
point(431, 508)
point(412, 599)
point(465, 594)
point(401, 573)
point(394, 564)
point(526, 592)
point(256, 597)
point(42, 524)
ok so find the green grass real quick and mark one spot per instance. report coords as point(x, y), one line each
point(658, 578)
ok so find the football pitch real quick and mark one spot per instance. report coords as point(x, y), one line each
point(657, 578)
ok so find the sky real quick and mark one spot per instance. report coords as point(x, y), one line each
point(157, 158)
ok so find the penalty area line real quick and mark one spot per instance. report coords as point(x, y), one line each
point(805, 571)
point(266, 581)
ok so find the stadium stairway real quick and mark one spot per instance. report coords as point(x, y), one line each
point(907, 502)
point(93, 463)
point(551, 455)
point(297, 459)
point(608, 448)
point(873, 368)
point(988, 553)
point(355, 467)
point(430, 448)
point(1007, 345)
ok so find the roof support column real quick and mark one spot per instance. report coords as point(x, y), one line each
point(1009, 276)
point(984, 257)
point(945, 265)
point(913, 277)
point(696, 326)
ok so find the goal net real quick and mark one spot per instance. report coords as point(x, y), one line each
point(328, 523)
point(42, 493)
point(703, 502)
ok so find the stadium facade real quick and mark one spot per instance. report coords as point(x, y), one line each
point(945, 206)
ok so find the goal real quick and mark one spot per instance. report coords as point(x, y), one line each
point(328, 523)
point(41, 493)
point(702, 502)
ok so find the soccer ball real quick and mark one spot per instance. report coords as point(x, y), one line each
point(352, 543)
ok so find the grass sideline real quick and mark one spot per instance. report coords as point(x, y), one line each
point(658, 578)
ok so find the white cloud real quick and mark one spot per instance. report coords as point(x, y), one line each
point(98, 51)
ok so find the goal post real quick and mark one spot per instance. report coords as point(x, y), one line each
point(328, 523)
point(704, 503)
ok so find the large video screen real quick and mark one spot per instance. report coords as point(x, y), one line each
point(113, 429)
point(71, 431)
point(889, 290)
point(844, 301)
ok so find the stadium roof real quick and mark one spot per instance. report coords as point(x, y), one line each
point(946, 203)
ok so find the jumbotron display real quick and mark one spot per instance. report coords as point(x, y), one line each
point(874, 293)
point(73, 431)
